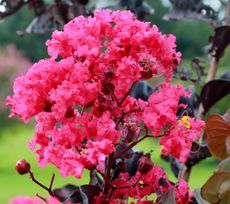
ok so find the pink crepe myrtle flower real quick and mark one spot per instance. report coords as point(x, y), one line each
point(26, 200)
point(178, 141)
point(80, 95)
point(163, 105)
point(31, 200)
point(182, 194)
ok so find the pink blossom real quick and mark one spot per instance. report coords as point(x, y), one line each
point(26, 200)
point(163, 105)
point(35, 200)
point(79, 96)
point(179, 140)
point(182, 194)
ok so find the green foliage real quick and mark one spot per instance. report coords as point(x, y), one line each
point(33, 45)
point(191, 36)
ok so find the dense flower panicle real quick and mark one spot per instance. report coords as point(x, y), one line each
point(81, 103)
point(82, 90)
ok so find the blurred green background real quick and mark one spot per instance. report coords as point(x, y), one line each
point(16, 55)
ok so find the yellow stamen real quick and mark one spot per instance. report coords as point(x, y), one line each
point(186, 122)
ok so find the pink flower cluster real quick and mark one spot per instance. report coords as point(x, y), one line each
point(80, 95)
point(30, 200)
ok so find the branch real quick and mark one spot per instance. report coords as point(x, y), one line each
point(119, 154)
point(125, 96)
point(49, 190)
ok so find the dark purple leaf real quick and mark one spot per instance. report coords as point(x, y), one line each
point(128, 161)
point(219, 41)
point(85, 194)
point(213, 91)
point(84, 2)
point(38, 6)
point(65, 192)
point(53, 17)
point(139, 7)
point(74, 194)
point(198, 154)
point(95, 180)
point(142, 90)
point(190, 9)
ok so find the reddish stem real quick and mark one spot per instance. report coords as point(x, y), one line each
point(40, 197)
point(49, 190)
point(132, 145)
point(125, 96)
point(52, 181)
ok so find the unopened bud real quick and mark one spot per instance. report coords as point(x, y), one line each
point(145, 164)
point(22, 167)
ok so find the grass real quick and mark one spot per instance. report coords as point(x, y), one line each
point(13, 147)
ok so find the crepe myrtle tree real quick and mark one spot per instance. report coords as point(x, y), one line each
point(89, 117)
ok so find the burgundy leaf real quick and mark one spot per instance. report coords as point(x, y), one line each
point(219, 41)
point(139, 7)
point(62, 194)
point(85, 194)
point(217, 131)
point(95, 180)
point(190, 9)
point(213, 91)
point(75, 194)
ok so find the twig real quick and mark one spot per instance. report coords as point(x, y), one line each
point(125, 96)
point(49, 190)
point(119, 154)
point(51, 182)
point(41, 197)
point(211, 75)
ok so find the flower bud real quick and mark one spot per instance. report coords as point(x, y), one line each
point(22, 167)
point(145, 164)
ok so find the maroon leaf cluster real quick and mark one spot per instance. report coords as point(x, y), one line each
point(191, 9)
point(219, 41)
point(52, 16)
